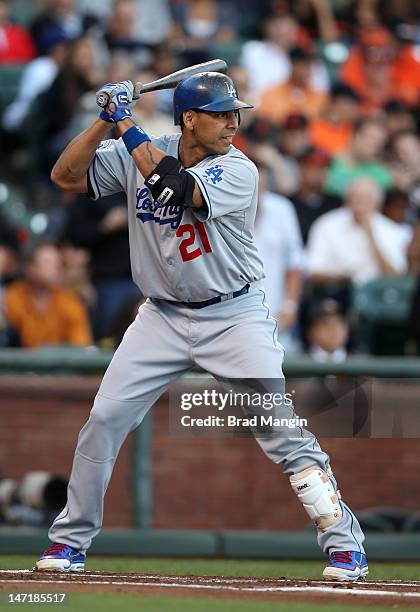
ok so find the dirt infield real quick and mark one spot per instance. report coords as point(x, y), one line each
point(392, 593)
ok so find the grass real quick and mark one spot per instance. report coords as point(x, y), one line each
point(222, 567)
point(129, 602)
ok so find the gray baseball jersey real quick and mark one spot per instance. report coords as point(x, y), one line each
point(185, 254)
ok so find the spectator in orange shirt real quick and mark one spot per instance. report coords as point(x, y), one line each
point(40, 309)
point(381, 69)
point(332, 131)
point(16, 44)
point(296, 94)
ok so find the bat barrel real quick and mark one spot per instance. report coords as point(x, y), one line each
point(172, 80)
point(168, 82)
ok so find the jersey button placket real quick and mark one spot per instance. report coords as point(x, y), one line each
point(193, 328)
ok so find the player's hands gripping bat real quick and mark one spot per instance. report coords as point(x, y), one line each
point(119, 97)
point(119, 93)
point(105, 94)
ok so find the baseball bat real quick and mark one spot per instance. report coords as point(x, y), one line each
point(167, 82)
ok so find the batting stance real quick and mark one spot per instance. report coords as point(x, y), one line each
point(192, 201)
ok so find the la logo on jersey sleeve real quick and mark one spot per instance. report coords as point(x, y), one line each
point(214, 174)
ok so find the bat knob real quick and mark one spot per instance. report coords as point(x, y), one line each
point(102, 99)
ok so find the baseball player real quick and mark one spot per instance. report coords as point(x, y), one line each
point(191, 207)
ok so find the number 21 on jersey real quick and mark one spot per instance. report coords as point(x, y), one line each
point(187, 246)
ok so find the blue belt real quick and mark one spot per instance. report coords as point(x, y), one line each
point(215, 300)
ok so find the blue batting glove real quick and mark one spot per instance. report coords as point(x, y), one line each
point(121, 112)
point(119, 96)
point(119, 93)
point(105, 116)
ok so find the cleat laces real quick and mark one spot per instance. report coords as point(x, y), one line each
point(56, 549)
point(341, 557)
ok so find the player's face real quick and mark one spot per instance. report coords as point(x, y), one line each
point(214, 131)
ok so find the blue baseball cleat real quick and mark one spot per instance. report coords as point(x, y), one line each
point(61, 558)
point(346, 565)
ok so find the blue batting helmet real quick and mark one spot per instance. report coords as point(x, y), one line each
point(208, 91)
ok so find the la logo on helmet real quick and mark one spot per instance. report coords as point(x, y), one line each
point(231, 91)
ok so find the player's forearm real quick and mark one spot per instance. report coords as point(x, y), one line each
point(146, 157)
point(71, 168)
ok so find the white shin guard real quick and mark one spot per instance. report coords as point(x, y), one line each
point(316, 492)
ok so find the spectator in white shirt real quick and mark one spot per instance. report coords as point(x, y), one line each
point(267, 60)
point(37, 77)
point(356, 241)
point(277, 237)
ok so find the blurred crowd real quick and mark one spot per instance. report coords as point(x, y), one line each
point(335, 136)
